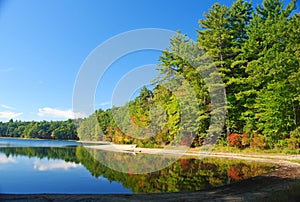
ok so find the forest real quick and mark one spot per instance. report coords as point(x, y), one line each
point(57, 130)
point(256, 54)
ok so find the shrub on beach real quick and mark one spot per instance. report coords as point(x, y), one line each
point(235, 140)
point(258, 142)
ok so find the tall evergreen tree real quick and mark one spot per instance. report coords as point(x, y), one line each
point(214, 36)
point(223, 35)
point(189, 101)
point(270, 52)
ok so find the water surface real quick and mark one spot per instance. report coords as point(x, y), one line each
point(46, 166)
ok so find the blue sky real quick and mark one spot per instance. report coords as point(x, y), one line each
point(44, 43)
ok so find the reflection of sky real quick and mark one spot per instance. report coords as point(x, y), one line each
point(22, 174)
point(44, 165)
point(4, 159)
point(17, 142)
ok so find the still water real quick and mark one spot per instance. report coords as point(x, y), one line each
point(45, 166)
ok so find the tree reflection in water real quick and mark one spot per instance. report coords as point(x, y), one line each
point(185, 174)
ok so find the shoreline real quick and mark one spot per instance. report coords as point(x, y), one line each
point(278, 159)
point(257, 188)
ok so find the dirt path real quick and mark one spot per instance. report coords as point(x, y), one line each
point(254, 189)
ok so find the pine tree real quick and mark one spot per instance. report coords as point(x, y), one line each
point(270, 51)
point(188, 107)
point(225, 32)
point(214, 36)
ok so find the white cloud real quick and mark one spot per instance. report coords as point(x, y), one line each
point(9, 115)
point(4, 159)
point(7, 107)
point(57, 113)
point(104, 103)
point(56, 165)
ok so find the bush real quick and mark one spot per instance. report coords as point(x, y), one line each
point(296, 133)
point(281, 144)
point(294, 141)
point(222, 141)
point(258, 142)
point(246, 140)
point(234, 140)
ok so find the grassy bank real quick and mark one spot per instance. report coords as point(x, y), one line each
point(249, 150)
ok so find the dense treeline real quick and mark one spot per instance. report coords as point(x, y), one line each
point(257, 53)
point(63, 130)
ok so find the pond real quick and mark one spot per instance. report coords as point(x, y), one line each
point(46, 166)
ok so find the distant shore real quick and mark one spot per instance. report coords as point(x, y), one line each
point(23, 138)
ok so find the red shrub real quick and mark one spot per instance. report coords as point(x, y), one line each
point(234, 140)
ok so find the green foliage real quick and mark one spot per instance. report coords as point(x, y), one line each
point(258, 142)
point(60, 130)
point(256, 52)
point(272, 106)
point(89, 129)
point(223, 34)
